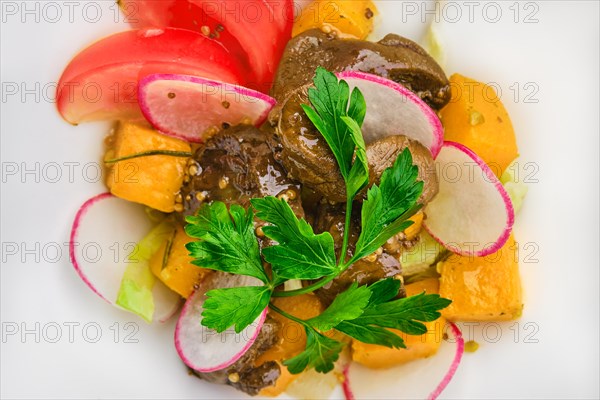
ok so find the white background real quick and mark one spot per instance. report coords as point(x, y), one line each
point(556, 52)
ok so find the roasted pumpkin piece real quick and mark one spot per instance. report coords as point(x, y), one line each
point(417, 346)
point(150, 180)
point(476, 118)
point(172, 264)
point(412, 231)
point(349, 17)
point(482, 288)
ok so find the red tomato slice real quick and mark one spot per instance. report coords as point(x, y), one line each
point(255, 31)
point(180, 14)
point(101, 81)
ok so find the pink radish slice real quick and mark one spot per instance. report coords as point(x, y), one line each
point(392, 109)
point(348, 394)
point(103, 235)
point(203, 349)
point(460, 349)
point(419, 379)
point(187, 106)
point(472, 213)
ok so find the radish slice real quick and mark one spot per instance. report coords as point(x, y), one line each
point(472, 213)
point(460, 349)
point(426, 378)
point(392, 109)
point(104, 234)
point(348, 393)
point(203, 349)
point(187, 107)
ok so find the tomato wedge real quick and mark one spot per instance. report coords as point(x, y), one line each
point(181, 14)
point(255, 31)
point(101, 81)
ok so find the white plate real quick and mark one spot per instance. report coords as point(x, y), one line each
point(59, 340)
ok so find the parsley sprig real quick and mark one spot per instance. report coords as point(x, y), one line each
point(227, 242)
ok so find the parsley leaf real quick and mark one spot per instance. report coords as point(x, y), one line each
point(320, 353)
point(333, 108)
point(383, 290)
point(238, 306)
point(402, 314)
point(227, 240)
point(359, 173)
point(330, 98)
point(405, 314)
point(388, 205)
point(347, 305)
point(371, 334)
point(300, 253)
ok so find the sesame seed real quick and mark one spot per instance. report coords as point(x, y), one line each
point(283, 197)
point(223, 182)
point(326, 29)
point(371, 257)
point(259, 231)
point(234, 377)
point(291, 194)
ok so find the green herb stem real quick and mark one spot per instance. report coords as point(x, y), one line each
point(342, 258)
point(168, 249)
point(172, 153)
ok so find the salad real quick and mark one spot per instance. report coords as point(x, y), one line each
point(311, 197)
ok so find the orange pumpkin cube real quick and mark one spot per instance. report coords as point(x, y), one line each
point(476, 118)
point(412, 231)
point(482, 288)
point(150, 180)
point(353, 18)
point(175, 269)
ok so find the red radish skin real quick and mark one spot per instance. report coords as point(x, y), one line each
point(449, 219)
point(190, 333)
point(392, 109)
point(186, 106)
point(348, 394)
point(103, 276)
point(460, 349)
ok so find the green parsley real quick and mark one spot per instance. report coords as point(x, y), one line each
point(300, 253)
point(227, 242)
